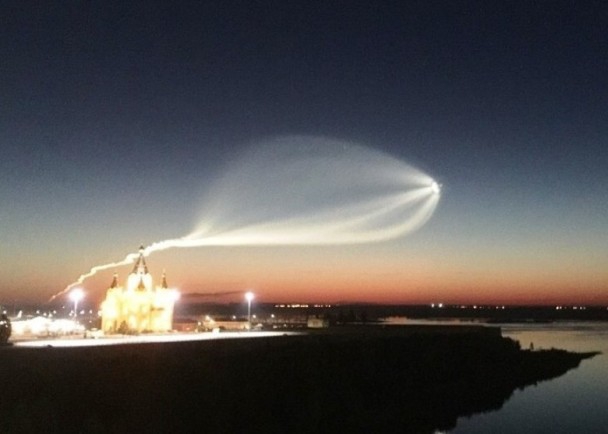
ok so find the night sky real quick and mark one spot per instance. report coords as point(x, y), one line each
point(115, 118)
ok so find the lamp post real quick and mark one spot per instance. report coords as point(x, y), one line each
point(76, 295)
point(249, 296)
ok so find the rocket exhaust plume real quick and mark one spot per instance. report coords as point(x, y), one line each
point(300, 190)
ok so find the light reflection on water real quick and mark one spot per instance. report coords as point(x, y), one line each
point(574, 402)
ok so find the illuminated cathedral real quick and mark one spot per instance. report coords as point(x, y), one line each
point(139, 306)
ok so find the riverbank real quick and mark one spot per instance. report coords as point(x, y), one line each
point(407, 379)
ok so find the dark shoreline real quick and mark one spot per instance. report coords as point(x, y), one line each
point(373, 379)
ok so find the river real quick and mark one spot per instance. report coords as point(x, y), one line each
point(574, 402)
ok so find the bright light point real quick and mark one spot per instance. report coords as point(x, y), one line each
point(76, 295)
point(435, 187)
point(249, 296)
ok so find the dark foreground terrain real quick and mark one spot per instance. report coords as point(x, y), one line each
point(414, 379)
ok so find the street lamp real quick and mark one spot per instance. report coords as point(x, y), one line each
point(249, 296)
point(76, 295)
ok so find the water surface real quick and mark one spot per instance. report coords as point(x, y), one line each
point(574, 402)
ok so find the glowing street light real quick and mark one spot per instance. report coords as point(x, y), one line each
point(249, 296)
point(76, 295)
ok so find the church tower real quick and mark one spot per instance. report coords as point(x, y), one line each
point(139, 306)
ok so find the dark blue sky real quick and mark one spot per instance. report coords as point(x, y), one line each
point(115, 115)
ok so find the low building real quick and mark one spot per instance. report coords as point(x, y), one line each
point(210, 324)
point(314, 322)
point(186, 325)
point(139, 306)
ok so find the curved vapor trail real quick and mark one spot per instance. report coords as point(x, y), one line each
point(306, 191)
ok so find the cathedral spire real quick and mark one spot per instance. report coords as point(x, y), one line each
point(164, 282)
point(140, 265)
point(114, 281)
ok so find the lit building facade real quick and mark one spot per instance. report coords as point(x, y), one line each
point(139, 306)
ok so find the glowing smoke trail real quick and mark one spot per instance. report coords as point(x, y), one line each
point(306, 190)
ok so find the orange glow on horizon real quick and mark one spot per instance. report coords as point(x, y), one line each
point(377, 275)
